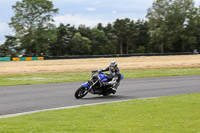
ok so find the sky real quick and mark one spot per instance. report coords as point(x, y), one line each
point(87, 12)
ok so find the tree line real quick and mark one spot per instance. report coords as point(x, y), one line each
point(171, 26)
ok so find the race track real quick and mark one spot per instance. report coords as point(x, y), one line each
point(25, 98)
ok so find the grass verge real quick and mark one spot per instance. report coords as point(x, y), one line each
point(173, 114)
point(7, 80)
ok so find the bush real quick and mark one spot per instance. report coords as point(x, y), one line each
point(141, 49)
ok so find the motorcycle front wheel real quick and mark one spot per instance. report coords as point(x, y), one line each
point(80, 93)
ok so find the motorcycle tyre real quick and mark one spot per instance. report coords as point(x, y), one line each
point(80, 93)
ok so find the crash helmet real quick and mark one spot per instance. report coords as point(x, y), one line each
point(113, 65)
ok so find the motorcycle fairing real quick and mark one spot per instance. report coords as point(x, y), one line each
point(103, 77)
point(122, 76)
point(86, 85)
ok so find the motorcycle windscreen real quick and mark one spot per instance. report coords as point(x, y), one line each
point(103, 77)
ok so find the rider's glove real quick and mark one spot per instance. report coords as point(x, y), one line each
point(93, 72)
point(99, 71)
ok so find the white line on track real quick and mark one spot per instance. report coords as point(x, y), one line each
point(76, 106)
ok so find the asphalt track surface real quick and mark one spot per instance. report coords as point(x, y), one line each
point(26, 98)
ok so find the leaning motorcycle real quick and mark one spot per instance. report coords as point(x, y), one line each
point(96, 85)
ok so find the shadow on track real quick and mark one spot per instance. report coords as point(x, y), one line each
point(111, 97)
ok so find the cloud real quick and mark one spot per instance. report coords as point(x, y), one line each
point(197, 3)
point(114, 12)
point(4, 30)
point(79, 19)
point(3, 26)
point(95, 2)
point(91, 9)
point(2, 42)
point(63, 2)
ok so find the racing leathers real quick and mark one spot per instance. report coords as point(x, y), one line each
point(114, 75)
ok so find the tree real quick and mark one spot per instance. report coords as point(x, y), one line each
point(9, 47)
point(84, 31)
point(120, 31)
point(172, 25)
point(80, 45)
point(130, 36)
point(127, 33)
point(100, 26)
point(45, 36)
point(31, 17)
point(112, 37)
point(157, 17)
point(197, 33)
point(100, 43)
point(142, 38)
point(61, 46)
point(182, 25)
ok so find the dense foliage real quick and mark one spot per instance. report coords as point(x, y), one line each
point(171, 26)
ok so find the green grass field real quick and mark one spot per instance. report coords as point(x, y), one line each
point(173, 114)
point(7, 80)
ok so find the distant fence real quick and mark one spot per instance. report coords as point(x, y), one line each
point(20, 58)
point(87, 56)
point(112, 56)
point(5, 59)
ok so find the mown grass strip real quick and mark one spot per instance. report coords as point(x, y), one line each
point(173, 114)
point(7, 80)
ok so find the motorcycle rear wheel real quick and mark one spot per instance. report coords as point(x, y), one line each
point(80, 93)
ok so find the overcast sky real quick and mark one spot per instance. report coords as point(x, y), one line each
point(87, 12)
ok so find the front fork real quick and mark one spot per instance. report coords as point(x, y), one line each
point(88, 86)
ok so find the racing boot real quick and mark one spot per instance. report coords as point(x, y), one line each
point(114, 88)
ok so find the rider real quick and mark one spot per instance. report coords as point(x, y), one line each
point(115, 75)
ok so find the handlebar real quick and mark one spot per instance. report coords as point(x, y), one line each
point(94, 72)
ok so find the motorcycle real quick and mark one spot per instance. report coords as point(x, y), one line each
point(96, 85)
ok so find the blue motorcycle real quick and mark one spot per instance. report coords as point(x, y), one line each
point(96, 85)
